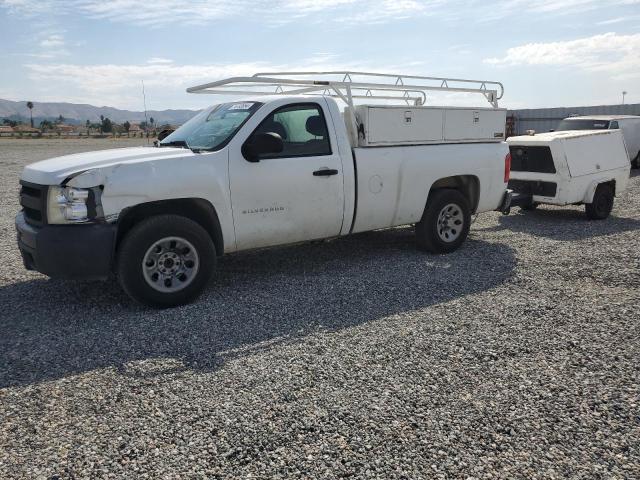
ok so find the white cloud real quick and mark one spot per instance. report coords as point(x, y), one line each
point(165, 81)
point(201, 12)
point(52, 41)
point(159, 61)
point(612, 53)
point(120, 85)
point(613, 21)
point(566, 6)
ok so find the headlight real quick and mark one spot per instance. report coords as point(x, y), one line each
point(67, 205)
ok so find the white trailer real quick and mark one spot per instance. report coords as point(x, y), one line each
point(587, 167)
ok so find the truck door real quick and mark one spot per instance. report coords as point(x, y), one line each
point(292, 196)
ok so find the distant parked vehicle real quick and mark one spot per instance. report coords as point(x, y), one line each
point(569, 168)
point(165, 133)
point(628, 124)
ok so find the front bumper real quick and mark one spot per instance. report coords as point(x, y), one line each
point(83, 251)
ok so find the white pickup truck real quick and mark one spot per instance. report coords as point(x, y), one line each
point(271, 170)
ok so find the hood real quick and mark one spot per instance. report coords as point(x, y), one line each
point(55, 170)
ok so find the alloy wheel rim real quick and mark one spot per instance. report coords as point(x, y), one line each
point(450, 223)
point(170, 264)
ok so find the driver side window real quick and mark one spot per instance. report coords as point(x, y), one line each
point(303, 130)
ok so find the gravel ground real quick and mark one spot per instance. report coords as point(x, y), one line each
point(516, 357)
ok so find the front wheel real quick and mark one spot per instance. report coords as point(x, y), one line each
point(445, 223)
point(602, 203)
point(635, 163)
point(165, 261)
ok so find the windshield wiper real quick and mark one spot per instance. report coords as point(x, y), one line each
point(175, 143)
point(180, 144)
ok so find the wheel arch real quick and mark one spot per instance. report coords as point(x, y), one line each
point(199, 210)
point(591, 190)
point(468, 185)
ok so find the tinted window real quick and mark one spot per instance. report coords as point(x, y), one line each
point(303, 130)
point(613, 125)
point(531, 159)
point(582, 125)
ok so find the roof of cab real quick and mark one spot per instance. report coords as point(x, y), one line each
point(602, 117)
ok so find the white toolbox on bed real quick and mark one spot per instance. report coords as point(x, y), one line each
point(393, 125)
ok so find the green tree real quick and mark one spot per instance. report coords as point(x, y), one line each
point(60, 119)
point(106, 125)
point(30, 107)
point(126, 126)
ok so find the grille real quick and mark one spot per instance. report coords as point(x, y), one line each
point(534, 187)
point(33, 199)
point(531, 159)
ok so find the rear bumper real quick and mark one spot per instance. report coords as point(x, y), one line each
point(505, 204)
point(67, 251)
point(541, 188)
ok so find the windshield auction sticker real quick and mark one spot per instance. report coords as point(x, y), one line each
point(241, 106)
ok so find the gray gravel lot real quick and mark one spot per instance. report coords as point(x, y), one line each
point(516, 357)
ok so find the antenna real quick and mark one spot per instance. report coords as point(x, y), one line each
point(146, 122)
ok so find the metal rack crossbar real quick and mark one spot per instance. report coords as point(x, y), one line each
point(348, 86)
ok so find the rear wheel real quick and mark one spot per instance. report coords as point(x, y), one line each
point(445, 222)
point(602, 203)
point(165, 261)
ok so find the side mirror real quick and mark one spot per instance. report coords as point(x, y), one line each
point(262, 144)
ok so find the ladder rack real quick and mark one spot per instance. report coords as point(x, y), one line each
point(348, 86)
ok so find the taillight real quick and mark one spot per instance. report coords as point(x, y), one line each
point(507, 167)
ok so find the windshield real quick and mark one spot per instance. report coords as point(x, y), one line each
point(213, 128)
point(583, 125)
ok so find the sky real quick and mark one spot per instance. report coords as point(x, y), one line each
point(547, 53)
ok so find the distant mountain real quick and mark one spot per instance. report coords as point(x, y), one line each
point(80, 113)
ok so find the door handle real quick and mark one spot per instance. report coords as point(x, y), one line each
point(325, 172)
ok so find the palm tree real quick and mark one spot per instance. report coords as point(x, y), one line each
point(30, 107)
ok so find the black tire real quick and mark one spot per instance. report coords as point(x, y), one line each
point(530, 207)
point(136, 247)
point(635, 163)
point(430, 234)
point(602, 203)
